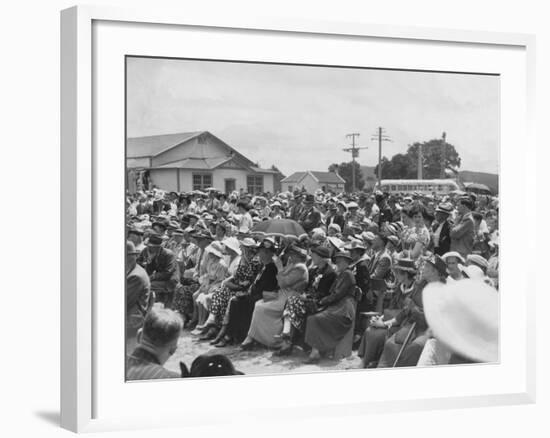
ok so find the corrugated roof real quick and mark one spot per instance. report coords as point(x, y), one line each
point(153, 144)
point(328, 177)
point(294, 178)
point(195, 163)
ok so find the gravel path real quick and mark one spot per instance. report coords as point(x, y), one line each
point(257, 361)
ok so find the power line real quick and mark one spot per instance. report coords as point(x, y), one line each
point(354, 154)
point(381, 136)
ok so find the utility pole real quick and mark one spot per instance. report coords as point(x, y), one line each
point(443, 155)
point(420, 162)
point(354, 154)
point(380, 136)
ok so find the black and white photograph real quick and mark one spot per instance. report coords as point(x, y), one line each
point(289, 218)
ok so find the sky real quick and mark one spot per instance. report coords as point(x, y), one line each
point(297, 117)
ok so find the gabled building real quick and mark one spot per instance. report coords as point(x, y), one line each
point(312, 181)
point(193, 161)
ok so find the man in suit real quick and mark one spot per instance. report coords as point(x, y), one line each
point(462, 233)
point(310, 217)
point(157, 342)
point(441, 236)
point(380, 269)
point(138, 294)
point(161, 265)
point(296, 209)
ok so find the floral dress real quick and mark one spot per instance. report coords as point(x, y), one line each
point(244, 276)
point(411, 235)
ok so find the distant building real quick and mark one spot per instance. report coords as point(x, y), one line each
point(312, 181)
point(193, 161)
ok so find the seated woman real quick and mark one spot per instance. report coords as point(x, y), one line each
point(267, 319)
point(216, 272)
point(403, 348)
point(372, 343)
point(415, 237)
point(241, 306)
point(328, 327)
point(248, 269)
point(298, 307)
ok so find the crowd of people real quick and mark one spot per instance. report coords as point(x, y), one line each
point(356, 274)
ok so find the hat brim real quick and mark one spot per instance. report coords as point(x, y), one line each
point(464, 317)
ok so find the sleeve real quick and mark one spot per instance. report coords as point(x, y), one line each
point(292, 277)
point(462, 228)
point(136, 290)
point(167, 268)
point(341, 289)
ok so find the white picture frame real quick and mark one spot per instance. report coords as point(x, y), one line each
point(81, 374)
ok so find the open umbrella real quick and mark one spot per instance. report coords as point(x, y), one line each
point(285, 228)
point(479, 188)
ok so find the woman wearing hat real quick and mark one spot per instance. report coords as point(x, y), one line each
point(267, 319)
point(454, 263)
point(216, 272)
point(403, 349)
point(238, 283)
point(298, 307)
point(324, 330)
point(441, 237)
point(380, 328)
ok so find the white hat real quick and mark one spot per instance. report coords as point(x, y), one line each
point(233, 244)
point(353, 204)
point(335, 226)
point(464, 316)
point(216, 249)
point(453, 254)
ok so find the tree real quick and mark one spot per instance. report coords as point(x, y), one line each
point(344, 170)
point(404, 166)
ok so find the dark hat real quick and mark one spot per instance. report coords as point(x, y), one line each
point(173, 225)
point(343, 255)
point(321, 251)
point(213, 365)
point(154, 240)
point(309, 198)
point(159, 224)
point(438, 263)
point(268, 243)
point(178, 232)
point(407, 265)
point(467, 201)
point(244, 205)
point(203, 234)
point(134, 230)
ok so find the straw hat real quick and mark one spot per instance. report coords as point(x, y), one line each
point(478, 260)
point(216, 249)
point(249, 242)
point(464, 316)
point(404, 264)
point(453, 254)
point(233, 244)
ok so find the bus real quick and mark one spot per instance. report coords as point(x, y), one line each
point(422, 186)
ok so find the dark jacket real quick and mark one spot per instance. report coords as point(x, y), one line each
point(266, 281)
point(444, 239)
point(343, 286)
point(310, 219)
point(320, 280)
point(162, 267)
point(462, 235)
point(138, 292)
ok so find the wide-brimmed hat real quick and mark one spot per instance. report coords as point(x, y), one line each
point(343, 255)
point(453, 254)
point(135, 230)
point(355, 245)
point(444, 207)
point(368, 236)
point(394, 240)
point(335, 242)
point(268, 243)
point(216, 249)
point(321, 251)
point(464, 316)
point(249, 242)
point(131, 248)
point(159, 224)
point(404, 264)
point(233, 244)
point(478, 260)
point(298, 250)
point(353, 204)
point(154, 240)
point(335, 227)
point(203, 234)
point(309, 198)
point(438, 263)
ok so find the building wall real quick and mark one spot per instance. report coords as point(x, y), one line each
point(165, 179)
point(138, 162)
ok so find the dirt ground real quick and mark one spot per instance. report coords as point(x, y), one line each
point(257, 361)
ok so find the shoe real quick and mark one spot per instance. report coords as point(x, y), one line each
point(221, 343)
point(312, 360)
point(196, 332)
point(285, 350)
point(210, 334)
point(248, 346)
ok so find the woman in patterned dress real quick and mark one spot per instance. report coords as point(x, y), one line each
point(247, 270)
point(298, 307)
point(415, 237)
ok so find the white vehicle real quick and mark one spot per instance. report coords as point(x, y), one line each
point(423, 186)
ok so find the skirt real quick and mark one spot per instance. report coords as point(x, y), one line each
point(183, 299)
point(220, 301)
point(297, 309)
point(239, 315)
point(326, 329)
point(267, 319)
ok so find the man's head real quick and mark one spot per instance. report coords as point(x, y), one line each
point(161, 331)
point(379, 241)
point(266, 251)
point(465, 205)
point(135, 236)
point(154, 244)
point(131, 255)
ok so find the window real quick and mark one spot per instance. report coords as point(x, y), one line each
point(255, 184)
point(393, 188)
point(290, 188)
point(202, 180)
